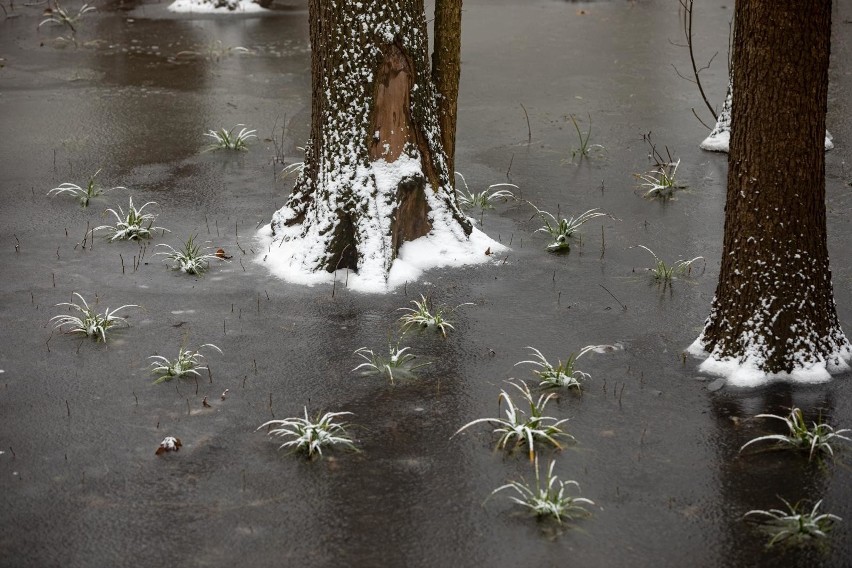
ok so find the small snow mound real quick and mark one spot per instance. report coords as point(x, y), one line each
point(216, 7)
point(717, 142)
point(746, 372)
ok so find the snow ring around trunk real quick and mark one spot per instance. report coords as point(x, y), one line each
point(746, 371)
point(438, 249)
point(720, 141)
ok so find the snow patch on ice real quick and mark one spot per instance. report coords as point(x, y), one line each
point(211, 7)
point(717, 141)
point(746, 372)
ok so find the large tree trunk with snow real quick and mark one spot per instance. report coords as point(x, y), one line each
point(375, 171)
point(774, 309)
point(446, 69)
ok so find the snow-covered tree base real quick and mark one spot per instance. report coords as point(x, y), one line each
point(720, 137)
point(216, 7)
point(374, 197)
point(747, 370)
point(436, 250)
point(298, 252)
point(719, 141)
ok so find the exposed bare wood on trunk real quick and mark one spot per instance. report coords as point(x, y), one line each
point(392, 127)
point(411, 221)
point(446, 70)
point(391, 122)
point(774, 296)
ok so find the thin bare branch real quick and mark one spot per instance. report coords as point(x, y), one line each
point(687, 6)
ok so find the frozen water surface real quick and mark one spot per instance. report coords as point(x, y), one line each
point(80, 484)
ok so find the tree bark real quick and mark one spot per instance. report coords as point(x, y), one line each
point(774, 307)
point(375, 171)
point(446, 70)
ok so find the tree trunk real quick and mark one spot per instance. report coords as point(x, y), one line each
point(774, 309)
point(375, 174)
point(719, 139)
point(446, 69)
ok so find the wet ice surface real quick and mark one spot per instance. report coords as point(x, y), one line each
point(658, 443)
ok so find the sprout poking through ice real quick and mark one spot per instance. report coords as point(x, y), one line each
point(311, 436)
point(397, 361)
point(665, 273)
point(422, 316)
point(483, 200)
point(524, 426)
point(813, 440)
point(660, 182)
point(563, 374)
point(169, 444)
point(191, 259)
point(227, 140)
point(61, 16)
point(562, 229)
point(187, 363)
point(796, 524)
point(90, 323)
point(549, 497)
point(83, 195)
point(133, 225)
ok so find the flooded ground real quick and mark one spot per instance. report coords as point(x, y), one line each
point(657, 443)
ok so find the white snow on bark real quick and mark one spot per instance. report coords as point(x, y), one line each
point(719, 138)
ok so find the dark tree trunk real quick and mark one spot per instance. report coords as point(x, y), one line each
point(375, 171)
point(774, 307)
point(446, 69)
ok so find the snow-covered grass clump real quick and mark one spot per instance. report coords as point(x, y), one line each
point(292, 252)
point(132, 225)
point(89, 323)
point(815, 439)
point(563, 374)
point(483, 200)
point(524, 426)
point(216, 7)
point(397, 361)
point(562, 229)
point(795, 524)
point(83, 195)
point(548, 498)
point(310, 436)
point(187, 363)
